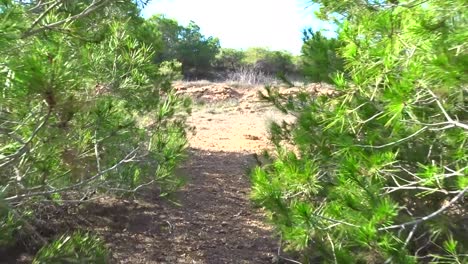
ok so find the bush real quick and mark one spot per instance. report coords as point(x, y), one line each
point(187, 45)
point(8, 227)
point(256, 65)
point(75, 248)
point(378, 173)
point(270, 62)
point(320, 60)
point(229, 60)
point(75, 91)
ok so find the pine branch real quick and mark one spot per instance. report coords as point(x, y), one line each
point(394, 142)
point(95, 5)
point(10, 158)
point(41, 16)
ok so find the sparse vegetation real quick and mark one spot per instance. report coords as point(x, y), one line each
point(250, 76)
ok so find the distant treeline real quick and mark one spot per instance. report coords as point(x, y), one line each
point(202, 57)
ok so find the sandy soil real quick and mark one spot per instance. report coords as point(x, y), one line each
point(216, 222)
point(213, 221)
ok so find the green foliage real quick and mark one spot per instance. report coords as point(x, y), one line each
point(256, 65)
point(378, 172)
point(270, 62)
point(187, 45)
point(202, 57)
point(170, 70)
point(229, 60)
point(9, 225)
point(320, 61)
point(197, 53)
point(78, 247)
point(169, 35)
point(83, 108)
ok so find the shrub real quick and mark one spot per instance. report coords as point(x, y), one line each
point(187, 45)
point(320, 60)
point(229, 60)
point(76, 83)
point(8, 227)
point(78, 247)
point(270, 62)
point(378, 173)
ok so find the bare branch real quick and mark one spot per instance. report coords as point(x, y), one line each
point(447, 116)
point(371, 118)
point(394, 189)
point(39, 5)
point(134, 190)
point(335, 221)
point(128, 158)
point(289, 260)
point(410, 235)
point(436, 177)
point(90, 9)
point(430, 216)
point(333, 248)
point(96, 152)
point(41, 16)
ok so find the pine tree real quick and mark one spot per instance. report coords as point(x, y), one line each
point(319, 57)
point(378, 173)
point(83, 109)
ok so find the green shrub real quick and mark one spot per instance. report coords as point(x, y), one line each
point(78, 247)
point(229, 60)
point(8, 227)
point(378, 172)
point(319, 59)
point(185, 44)
point(83, 108)
point(270, 62)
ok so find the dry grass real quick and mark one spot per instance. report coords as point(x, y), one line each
point(250, 76)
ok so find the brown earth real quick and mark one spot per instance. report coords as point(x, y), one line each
point(210, 220)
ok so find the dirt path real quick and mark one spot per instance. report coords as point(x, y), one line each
point(215, 222)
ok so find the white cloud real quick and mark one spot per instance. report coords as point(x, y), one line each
point(240, 24)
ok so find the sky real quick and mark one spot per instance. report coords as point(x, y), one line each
point(240, 24)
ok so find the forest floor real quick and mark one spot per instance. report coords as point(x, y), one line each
point(209, 220)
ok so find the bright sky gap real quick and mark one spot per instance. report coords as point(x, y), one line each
point(275, 24)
